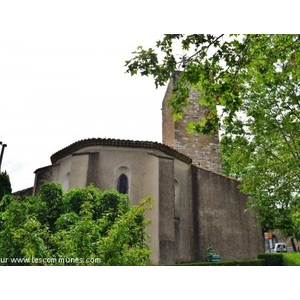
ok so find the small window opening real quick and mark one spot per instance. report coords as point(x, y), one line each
point(123, 184)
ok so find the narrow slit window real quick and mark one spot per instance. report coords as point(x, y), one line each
point(123, 184)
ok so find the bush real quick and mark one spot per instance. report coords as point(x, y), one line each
point(81, 227)
point(264, 259)
point(272, 259)
point(210, 252)
point(253, 262)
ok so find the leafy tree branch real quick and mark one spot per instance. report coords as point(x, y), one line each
point(251, 83)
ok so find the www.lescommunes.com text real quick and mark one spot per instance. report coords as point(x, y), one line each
point(49, 260)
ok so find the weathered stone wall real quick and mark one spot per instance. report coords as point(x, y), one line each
point(42, 175)
point(93, 172)
point(168, 125)
point(24, 193)
point(220, 219)
point(183, 211)
point(167, 248)
point(203, 149)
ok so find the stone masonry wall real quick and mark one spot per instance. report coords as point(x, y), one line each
point(42, 175)
point(203, 149)
point(168, 125)
point(221, 220)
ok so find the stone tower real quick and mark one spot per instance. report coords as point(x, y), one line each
point(204, 150)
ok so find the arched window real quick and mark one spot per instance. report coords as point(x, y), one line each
point(123, 184)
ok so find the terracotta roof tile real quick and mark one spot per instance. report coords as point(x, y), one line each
point(117, 143)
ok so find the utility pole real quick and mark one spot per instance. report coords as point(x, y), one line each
point(1, 155)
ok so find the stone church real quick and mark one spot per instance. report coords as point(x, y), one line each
point(195, 206)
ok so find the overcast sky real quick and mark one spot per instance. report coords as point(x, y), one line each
point(62, 79)
point(62, 74)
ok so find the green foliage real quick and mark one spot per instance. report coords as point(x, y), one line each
point(126, 232)
point(253, 82)
point(225, 69)
point(210, 252)
point(81, 227)
point(272, 259)
point(51, 194)
point(264, 154)
point(253, 262)
point(66, 220)
point(291, 259)
point(281, 259)
point(5, 186)
point(264, 259)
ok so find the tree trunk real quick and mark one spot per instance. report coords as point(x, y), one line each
point(294, 246)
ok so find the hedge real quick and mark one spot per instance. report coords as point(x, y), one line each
point(272, 259)
point(253, 262)
point(263, 259)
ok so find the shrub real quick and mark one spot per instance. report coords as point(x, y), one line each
point(210, 252)
point(51, 195)
point(272, 259)
point(253, 262)
point(81, 227)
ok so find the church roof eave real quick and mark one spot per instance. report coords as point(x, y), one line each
point(117, 143)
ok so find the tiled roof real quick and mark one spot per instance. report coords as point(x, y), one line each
point(118, 143)
point(24, 192)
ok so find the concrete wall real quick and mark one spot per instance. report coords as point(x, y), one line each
point(79, 168)
point(166, 206)
point(183, 211)
point(220, 219)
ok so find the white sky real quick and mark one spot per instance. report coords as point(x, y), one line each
point(62, 79)
point(62, 74)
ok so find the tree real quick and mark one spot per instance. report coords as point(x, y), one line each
point(5, 186)
point(81, 227)
point(265, 154)
point(252, 84)
point(225, 69)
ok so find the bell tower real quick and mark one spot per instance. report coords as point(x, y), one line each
point(204, 150)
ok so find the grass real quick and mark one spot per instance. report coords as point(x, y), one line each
point(291, 259)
